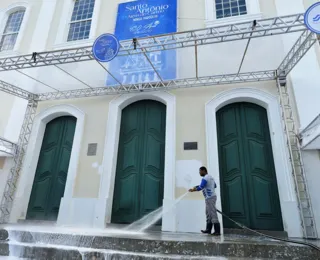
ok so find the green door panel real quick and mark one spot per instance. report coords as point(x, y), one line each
point(140, 167)
point(232, 168)
point(62, 168)
point(248, 180)
point(152, 166)
point(264, 197)
point(126, 190)
point(52, 169)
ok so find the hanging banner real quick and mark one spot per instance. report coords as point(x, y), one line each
point(142, 19)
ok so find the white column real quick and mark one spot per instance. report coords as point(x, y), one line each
point(210, 15)
point(42, 29)
point(41, 33)
point(253, 7)
point(15, 120)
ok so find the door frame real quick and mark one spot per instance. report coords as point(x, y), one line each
point(109, 163)
point(22, 198)
point(288, 202)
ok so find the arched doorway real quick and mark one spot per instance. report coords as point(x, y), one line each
point(249, 190)
point(139, 181)
point(52, 169)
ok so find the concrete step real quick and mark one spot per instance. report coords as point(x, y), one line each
point(73, 243)
point(11, 258)
point(18, 251)
point(280, 234)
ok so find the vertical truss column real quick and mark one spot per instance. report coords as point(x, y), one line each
point(293, 143)
point(19, 153)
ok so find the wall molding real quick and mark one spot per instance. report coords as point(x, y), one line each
point(285, 181)
point(4, 15)
point(33, 151)
point(63, 29)
point(111, 151)
point(253, 12)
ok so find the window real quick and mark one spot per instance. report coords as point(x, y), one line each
point(11, 30)
point(81, 19)
point(227, 8)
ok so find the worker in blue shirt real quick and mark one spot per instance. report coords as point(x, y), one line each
point(207, 186)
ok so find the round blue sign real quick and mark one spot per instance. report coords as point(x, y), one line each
point(105, 47)
point(312, 18)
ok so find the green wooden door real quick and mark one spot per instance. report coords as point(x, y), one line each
point(51, 174)
point(139, 179)
point(249, 191)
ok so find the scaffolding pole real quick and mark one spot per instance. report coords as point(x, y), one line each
point(14, 174)
point(7, 146)
point(297, 52)
point(165, 85)
point(308, 224)
point(314, 123)
point(299, 49)
point(13, 90)
point(213, 35)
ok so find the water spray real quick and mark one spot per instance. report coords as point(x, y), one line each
point(149, 220)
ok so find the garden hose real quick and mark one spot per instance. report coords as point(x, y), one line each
point(271, 237)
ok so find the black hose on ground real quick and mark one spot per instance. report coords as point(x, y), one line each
point(267, 236)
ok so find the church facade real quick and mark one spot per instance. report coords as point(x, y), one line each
point(112, 159)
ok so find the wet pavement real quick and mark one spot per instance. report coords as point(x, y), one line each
point(53, 240)
point(150, 235)
point(211, 258)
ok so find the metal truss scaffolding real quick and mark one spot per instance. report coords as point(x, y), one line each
point(310, 136)
point(233, 32)
point(247, 32)
point(167, 85)
point(315, 122)
point(293, 143)
point(14, 174)
point(7, 146)
point(299, 49)
point(13, 90)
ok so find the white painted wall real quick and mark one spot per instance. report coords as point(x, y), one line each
point(312, 170)
point(190, 212)
point(15, 121)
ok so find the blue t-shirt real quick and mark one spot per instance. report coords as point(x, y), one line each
point(207, 186)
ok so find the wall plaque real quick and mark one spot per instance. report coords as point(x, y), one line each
point(190, 145)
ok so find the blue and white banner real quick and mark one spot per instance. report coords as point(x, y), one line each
point(142, 19)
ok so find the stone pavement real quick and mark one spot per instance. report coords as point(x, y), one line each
point(50, 242)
